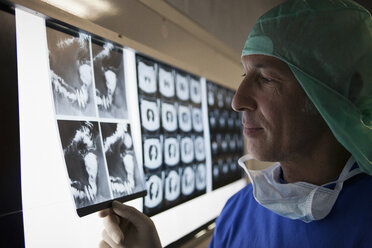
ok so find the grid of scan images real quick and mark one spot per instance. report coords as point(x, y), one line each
point(170, 103)
point(227, 143)
point(88, 88)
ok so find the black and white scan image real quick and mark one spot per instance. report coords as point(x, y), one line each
point(187, 150)
point(84, 159)
point(197, 119)
point(221, 98)
point(152, 152)
point(184, 118)
point(199, 148)
point(169, 116)
point(211, 94)
point(195, 91)
point(171, 151)
point(124, 174)
point(225, 166)
point(212, 119)
point(228, 97)
point(146, 77)
point(188, 181)
point(154, 197)
point(231, 120)
point(150, 115)
point(182, 87)
point(109, 81)
point(172, 185)
point(201, 177)
point(71, 73)
point(166, 82)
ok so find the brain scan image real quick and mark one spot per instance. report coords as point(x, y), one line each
point(199, 148)
point(222, 119)
point(169, 117)
point(182, 87)
point(152, 153)
point(195, 91)
point(212, 120)
point(201, 177)
point(187, 150)
point(220, 98)
point(166, 82)
point(154, 195)
point(172, 186)
point(188, 181)
point(150, 115)
point(216, 171)
point(211, 94)
point(171, 151)
point(230, 120)
point(184, 118)
point(228, 98)
point(146, 77)
point(214, 145)
point(197, 119)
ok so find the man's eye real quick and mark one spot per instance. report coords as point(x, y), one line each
point(265, 79)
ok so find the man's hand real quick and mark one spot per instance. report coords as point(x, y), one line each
point(125, 226)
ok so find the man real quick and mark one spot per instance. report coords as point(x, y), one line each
point(306, 101)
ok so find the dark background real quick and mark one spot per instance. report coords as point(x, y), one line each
point(11, 219)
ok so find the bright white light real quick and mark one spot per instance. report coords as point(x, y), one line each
point(87, 9)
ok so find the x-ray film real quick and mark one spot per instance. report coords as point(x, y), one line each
point(197, 119)
point(182, 87)
point(166, 82)
point(85, 164)
point(211, 94)
point(199, 148)
point(71, 73)
point(169, 117)
point(85, 158)
point(99, 157)
point(187, 150)
point(171, 151)
point(150, 115)
point(172, 185)
point(188, 181)
point(154, 185)
point(220, 98)
point(201, 177)
point(124, 175)
point(146, 77)
point(195, 91)
point(152, 153)
point(184, 118)
point(109, 80)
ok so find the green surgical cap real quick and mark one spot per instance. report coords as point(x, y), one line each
point(328, 46)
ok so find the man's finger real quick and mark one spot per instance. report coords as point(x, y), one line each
point(130, 213)
point(106, 238)
point(111, 223)
point(105, 212)
point(103, 244)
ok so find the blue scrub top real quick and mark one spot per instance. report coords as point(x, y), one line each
point(245, 223)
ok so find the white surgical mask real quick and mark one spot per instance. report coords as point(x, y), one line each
point(300, 200)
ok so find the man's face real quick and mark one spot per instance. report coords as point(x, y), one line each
point(276, 118)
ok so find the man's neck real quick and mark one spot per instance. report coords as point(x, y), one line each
point(319, 166)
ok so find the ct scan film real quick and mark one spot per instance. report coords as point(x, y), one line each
point(173, 142)
point(88, 88)
point(227, 143)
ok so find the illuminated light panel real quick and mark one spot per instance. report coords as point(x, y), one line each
point(87, 9)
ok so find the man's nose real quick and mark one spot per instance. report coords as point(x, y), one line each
point(244, 97)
